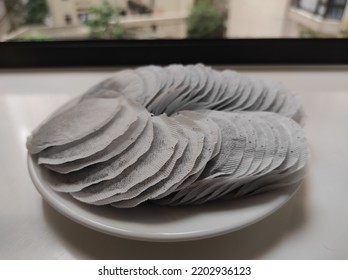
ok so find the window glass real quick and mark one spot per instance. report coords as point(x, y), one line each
point(42, 20)
point(309, 5)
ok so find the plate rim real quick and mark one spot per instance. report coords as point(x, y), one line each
point(144, 236)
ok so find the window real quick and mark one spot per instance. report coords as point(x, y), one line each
point(331, 9)
point(67, 19)
point(83, 17)
point(137, 32)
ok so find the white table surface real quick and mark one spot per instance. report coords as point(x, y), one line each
point(312, 225)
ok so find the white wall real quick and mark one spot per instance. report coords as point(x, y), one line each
point(59, 9)
point(172, 6)
point(256, 18)
point(344, 22)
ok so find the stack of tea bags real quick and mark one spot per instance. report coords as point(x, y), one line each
point(173, 135)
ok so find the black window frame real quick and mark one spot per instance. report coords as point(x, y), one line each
point(142, 52)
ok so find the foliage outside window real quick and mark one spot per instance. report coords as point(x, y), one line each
point(37, 11)
point(344, 33)
point(104, 22)
point(205, 21)
point(34, 36)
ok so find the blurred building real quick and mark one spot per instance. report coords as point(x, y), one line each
point(320, 17)
point(74, 12)
point(145, 18)
point(148, 19)
point(286, 18)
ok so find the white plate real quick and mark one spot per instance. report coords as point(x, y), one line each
point(158, 223)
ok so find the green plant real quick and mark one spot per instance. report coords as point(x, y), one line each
point(34, 36)
point(104, 22)
point(344, 33)
point(36, 11)
point(205, 21)
point(309, 33)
